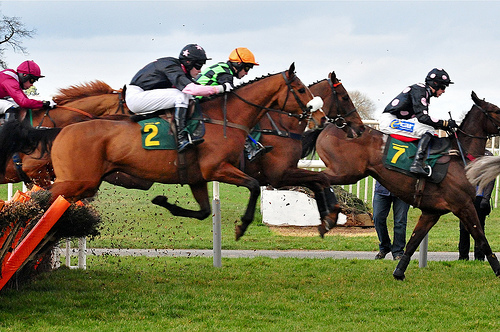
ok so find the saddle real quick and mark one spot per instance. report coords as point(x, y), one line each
point(398, 156)
point(158, 128)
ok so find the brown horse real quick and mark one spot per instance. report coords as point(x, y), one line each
point(279, 166)
point(349, 160)
point(84, 153)
point(75, 103)
point(339, 108)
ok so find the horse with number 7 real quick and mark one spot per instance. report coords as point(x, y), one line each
point(350, 160)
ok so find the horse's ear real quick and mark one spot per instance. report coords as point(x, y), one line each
point(292, 69)
point(333, 76)
point(474, 97)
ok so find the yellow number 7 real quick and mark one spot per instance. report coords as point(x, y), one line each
point(400, 150)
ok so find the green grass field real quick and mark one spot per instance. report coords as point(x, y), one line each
point(130, 220)
point(249, 294)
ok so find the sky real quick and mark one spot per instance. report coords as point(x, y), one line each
point(375, 47)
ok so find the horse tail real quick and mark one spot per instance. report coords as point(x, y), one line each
point(483, 170)
point(18, 137)
point(309, 141)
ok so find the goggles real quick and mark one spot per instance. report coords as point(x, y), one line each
point(247, 66)
point(198, 65)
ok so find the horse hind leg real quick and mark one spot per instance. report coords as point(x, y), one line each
point(200, 194)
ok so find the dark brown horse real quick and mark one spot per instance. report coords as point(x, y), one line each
point(279, 166)
point(350, 160)
point(84, 153)
point(75, 103)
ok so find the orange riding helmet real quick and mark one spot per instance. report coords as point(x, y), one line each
point(242, 55)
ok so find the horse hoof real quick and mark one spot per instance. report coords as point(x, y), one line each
point(237, 232)
point(159, 200)
point(399, 274)
point(322, 231)
point(331, 222)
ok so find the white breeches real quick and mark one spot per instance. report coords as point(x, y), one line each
point(143, 102)
point(389, 124)
point(5, 104)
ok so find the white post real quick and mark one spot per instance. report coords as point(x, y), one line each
point(82, 253)
point(68, 253)
point(422, 252)
point(216, 225)
point(10, 188)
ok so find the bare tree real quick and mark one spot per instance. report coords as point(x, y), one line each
point(12, 31)
point(364, 105)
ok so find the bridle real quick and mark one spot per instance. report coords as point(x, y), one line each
point(338, 120)
point(496, 123)
point(306, 111)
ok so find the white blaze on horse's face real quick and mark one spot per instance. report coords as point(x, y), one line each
point(315, 104)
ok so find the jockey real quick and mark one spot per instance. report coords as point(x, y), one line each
point(169, 82)
point(408, 114)
point(12, 84)
point(241, 60)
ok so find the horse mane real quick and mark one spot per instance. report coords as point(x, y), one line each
point(236, 87)
point(75, 92)
point(316, 82)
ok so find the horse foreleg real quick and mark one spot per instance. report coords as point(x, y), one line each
point(200, 194)
point(471, 222)
point(330, 220)
point(424, 224)
point(227, 173)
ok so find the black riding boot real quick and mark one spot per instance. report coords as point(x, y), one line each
point(253, 151)
point(183, 139)
point(418, 163)
point(12, 114)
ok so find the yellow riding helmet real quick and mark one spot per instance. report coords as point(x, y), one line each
point(242, 54)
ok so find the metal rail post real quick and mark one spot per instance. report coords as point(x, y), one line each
point(216, 225)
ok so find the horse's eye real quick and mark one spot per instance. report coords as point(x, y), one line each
point(346, 98)
point(302, 90)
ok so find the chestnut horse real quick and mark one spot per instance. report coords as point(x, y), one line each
point(75, 103)
point(278, 167)
point(85, 152)
point(350, 160)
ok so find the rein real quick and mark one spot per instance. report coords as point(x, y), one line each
point(225, 123)
point(304, 108)
point(47, 114)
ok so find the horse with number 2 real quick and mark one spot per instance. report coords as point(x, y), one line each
point(350, 160)
point(84, 153)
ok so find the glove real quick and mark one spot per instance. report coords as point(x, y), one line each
point(226, 87)
point(49, 104)
point(452, 124)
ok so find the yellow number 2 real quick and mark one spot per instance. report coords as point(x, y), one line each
point(149, 141)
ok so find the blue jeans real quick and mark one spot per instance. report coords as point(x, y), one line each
point(381, 208)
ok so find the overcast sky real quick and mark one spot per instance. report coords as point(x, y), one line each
point(375, 47)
